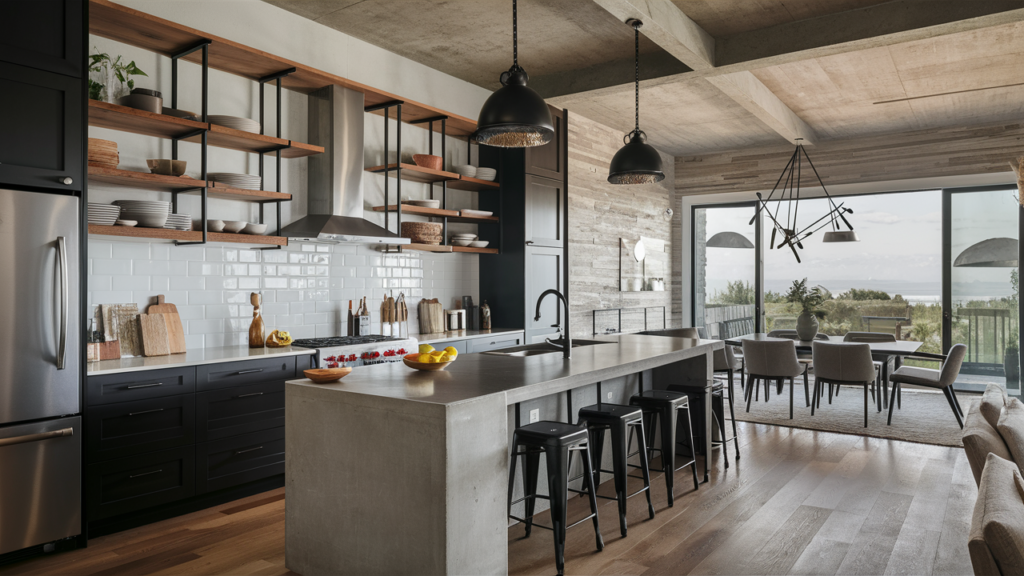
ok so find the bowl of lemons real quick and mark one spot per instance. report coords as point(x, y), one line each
point(428, 359)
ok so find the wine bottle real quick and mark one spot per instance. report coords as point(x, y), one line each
point(350, 318)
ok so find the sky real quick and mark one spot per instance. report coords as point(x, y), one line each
point(900, 248)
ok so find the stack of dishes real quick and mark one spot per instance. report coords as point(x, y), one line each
point(423, 203)
point(103, 214)
point(179, 222)
point(463, 239)
point(467, 170)
point(148, 213)
point(103, 153)
point(243, 124)
point(487, 174)
point(243, 181)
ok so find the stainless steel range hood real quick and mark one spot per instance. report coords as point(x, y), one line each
point(335, 181)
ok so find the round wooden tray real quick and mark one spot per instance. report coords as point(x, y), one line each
point(326, 375)
point(425, 367)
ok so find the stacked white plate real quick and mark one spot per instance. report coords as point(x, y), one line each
point(103, 214)
point(179, 222)
point(486, 173)
point(148, 213)
point(235, 122)
point(463, 239)
point(244, 181)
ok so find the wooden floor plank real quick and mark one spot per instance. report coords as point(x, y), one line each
point(797, 502)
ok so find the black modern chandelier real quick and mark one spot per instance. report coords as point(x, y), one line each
point(637, 162)
point(792, 236)
point(514, 116)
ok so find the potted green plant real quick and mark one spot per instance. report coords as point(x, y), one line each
point(107, 69)
point(810, 300)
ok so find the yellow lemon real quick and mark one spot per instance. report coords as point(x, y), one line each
point(444, 358)
point(426, 348)
point(451, 351)
point(425, 358)
point(437, 353)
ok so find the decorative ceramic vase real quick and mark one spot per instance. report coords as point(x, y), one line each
point(806, 326)
point(256, 330)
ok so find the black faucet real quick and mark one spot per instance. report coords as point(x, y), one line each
point(566, 344)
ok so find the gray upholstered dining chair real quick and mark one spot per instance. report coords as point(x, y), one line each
point(942, 379)
point(769, 360)
point(880, 359)
point(843, 365)
point(803, 357)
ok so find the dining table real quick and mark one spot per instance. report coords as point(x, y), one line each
point(879, 350)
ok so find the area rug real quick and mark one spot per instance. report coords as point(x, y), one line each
point(925, 416)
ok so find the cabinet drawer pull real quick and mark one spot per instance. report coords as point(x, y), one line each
point(249, 450)
point(251, 394)
point(240, 372)
point(146, 411)
point(145, 474)
point(529, 242)
point(145, 386)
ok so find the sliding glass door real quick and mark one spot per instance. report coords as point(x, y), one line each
point(725, 289)
point(981, 281)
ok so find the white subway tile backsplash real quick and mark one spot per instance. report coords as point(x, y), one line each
point(305, 287)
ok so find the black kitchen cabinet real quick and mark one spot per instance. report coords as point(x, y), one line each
point(549, 160)
point(161, 443)
point(44, 34)
point(533, 214)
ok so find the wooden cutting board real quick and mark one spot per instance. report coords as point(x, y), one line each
point(162, 307)
point(175, 332)
point(128, 329)
point(153, 329)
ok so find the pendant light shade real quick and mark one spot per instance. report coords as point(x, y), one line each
point(840, 236)
point(514, 116)
point(637, 162)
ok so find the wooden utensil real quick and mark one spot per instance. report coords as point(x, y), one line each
point(175, 332)
point(162, 307)
point(153, 328)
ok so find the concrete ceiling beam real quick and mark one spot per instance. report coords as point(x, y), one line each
point(756, 98)
point(652, 66)
point(668, 27)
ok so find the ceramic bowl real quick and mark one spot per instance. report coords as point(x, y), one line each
point(257, 229)
point(467, 170)
point(215, 225)
point(326, 375)
point(126, 223)
point(428, 161)
point(166, 166)
point(487, 174)
point(479, 244)
point(423, 203)
point(234, 226)
point(461, 242)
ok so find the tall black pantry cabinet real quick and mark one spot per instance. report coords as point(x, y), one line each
point(533, 227)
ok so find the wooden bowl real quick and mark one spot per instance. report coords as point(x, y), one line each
point(424, 366)
point(326, 375)
point(428, 161)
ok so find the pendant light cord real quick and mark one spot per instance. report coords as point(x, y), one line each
point(515, 35)
point(636, 53)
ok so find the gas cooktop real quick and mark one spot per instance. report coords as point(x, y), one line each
point(336, 341)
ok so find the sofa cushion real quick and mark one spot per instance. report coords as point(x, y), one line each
point(1011, 428)
point(980, 440)
point(992, 402)
point(996, 542)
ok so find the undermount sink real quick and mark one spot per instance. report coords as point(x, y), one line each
point(542, 348)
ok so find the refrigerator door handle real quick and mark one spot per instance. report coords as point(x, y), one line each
point(62, 255)
point(36, 437)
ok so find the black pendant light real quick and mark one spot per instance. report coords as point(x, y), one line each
point(637, 162)
point(515, 116)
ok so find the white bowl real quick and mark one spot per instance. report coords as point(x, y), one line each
point(479, 244)
point(423, 203)
point(464, 236)
point(234, 226)
point(476, 213)
point(467, 170)
point(461, 242)
point(126, 223)
point(215, 225)
point(255, 229)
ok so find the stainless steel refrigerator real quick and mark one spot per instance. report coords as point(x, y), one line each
point(40, 369)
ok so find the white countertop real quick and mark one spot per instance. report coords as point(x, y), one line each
point(191, 358)
point(462, 335)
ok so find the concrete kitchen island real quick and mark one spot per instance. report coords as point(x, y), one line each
point(394, 471)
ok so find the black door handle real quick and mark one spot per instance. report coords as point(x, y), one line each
point(240, 372)
point(146, 412)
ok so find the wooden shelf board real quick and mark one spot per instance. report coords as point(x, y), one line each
point(189, 236)
point(414, 173)
point(144, 180)
point(420, 211)
point(224, 137)
point(474, 250)
point(475, 219)
point(220, 191)
point(427, 247)
point(165, 37)
point(125, 119)
point(473, 184)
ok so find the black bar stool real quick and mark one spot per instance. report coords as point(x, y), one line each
point(696, 393)
point(663, 405)
point(617, 419)
point(557, 441)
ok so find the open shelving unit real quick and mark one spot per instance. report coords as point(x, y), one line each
point(183, 236)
